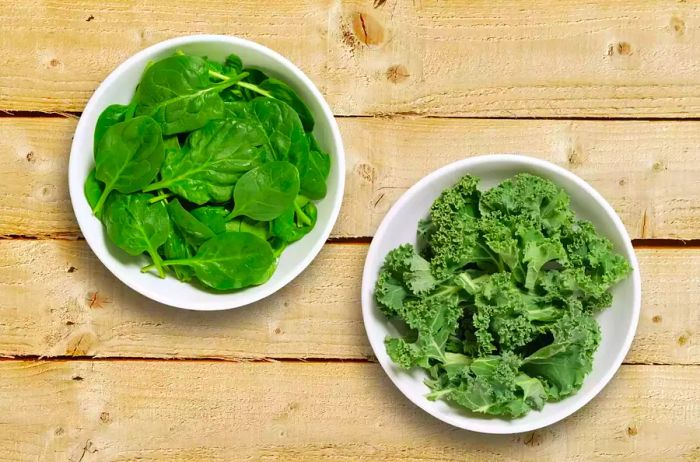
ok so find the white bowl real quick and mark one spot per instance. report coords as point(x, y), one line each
point(618, 323)
point(119, 87)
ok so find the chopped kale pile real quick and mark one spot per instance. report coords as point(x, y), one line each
point(499, 298)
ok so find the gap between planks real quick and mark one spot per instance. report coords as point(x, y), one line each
point(372, 360)
point(678, 244)
point(8, 114)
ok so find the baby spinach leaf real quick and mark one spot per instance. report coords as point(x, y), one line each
point(110, 116)
point(236, 110)
point(233, 65)
point(285, 135)
point(231, 261)
point(246, 225)
point(194, 231)
point(282, 92)
point(93, 189)
point(176, 247)
point(213, 216)
point(128, 157)
point(265, 192)
point(177, 92)
point(294, 223)
point(136, 226)
point(313, 177)
point(213, 159)
point(313, 143)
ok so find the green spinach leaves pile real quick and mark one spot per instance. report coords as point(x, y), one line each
point(211, 171)
point(498, 300)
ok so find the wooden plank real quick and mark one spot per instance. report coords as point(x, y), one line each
point(649, 171)
point(57, 299)
point(457, 58)
point(134, 410)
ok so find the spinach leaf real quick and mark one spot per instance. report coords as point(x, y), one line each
point(294, 223)
point(92, 189)
point(213, 216)
point(110, 116)
point(177, 92)
point(246, 225)
point(128, 157)
point(213, 159)
point(284, 133)
point(136, 226)
point(194, 231)
point(282, 92)
point(265, 192)
point(233, 65)
point(176, 247)
point(313, 143)
point(231, 261)
point(313, 177)
point(236, 110)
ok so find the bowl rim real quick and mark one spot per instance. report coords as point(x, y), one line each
point(210, 302)
point(464, 165)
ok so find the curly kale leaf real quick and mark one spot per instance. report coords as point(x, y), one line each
point(498, 306)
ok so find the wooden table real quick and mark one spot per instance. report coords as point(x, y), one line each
point(93, 371)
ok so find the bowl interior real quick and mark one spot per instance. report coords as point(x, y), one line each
point(119, 88)
point(618, 323)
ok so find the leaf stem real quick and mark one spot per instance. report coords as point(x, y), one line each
point(218, 75)
point(101, 202)
point(157, 185)
point(301, 215)
point(157, 263)
point(181, 261)
point(239, 77)
point(159, 198)
point(254, 88)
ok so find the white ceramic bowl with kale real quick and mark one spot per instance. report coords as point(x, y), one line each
point(530, 317)
point(180, 122)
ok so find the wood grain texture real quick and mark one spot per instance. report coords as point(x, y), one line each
point(649, 171)
point(136, 410)
point(59, 300)
point(457, 58)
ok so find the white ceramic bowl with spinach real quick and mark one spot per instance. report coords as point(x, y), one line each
point(119, 89)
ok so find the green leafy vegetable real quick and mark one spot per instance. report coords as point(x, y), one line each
point(136, 226)
point(285, 135)
point(282, 92)
point(112, 115)
point(214, 216)
point(212, 160)
point(93, 189)
point(177, 92)
point(295, 222)
point(128, 157)
point(246, 225)
point(176, 248)
point(314, 175)
point(231, 261)
point(499, 302)
point(232, 165)
point(194, 231)
point(265, 192)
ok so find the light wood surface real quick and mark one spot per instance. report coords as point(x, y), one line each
point(192, 411)
point(59, 300)
point(92, 371)
point(458, 57)
point(648, 171)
